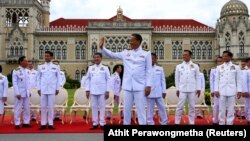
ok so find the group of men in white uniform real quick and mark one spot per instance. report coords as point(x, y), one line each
point(47, 80)
point(143, 83)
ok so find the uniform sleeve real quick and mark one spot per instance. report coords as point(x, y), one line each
point(58, 77)
point(115, 55)
point(38, 78)
point(217, 78)
point(5, 87)
point(14, 82)
point(163, 81)
point(177, 78)
point(107, 79)
point(63, 79)
point(197, 78)
point(244, 81)
point(87, 81)
point(211, 80)
point(238, 79)
point(148, 69)
point(83, 80)
point(203, 82)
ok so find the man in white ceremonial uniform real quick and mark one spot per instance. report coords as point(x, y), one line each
point(20, 81)
point(48, 83)
point(246, 90)
point(158, 93)
point(62, 82)
point(203, 83)
point(115, 85)
point(136, 79)
point(32, 81)
point(219, 61)
point(187, 81)
point(227, 85)
point(97, 87)
point(3, 91)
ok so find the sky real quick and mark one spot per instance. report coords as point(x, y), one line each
point(204, 11)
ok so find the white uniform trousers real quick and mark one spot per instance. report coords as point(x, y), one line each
point(98, 104)
point(226, 106)
point(150, 110)
point(190, 96)
point(47, 108)
point(1, 106)
point(22, 105)
point(247, 108)
point(215, 109)
point(137, 97)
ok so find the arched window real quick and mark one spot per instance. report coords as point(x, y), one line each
point(209, 52)
point(94, 48)
point(144, 45)
point(16, 51)
point(174, 52)
point(58, 50)
point(83, 52)
point(227, 41)
point(12, 51)
point(198, 49)
point(82, 73)
point(77, 75)
point(52, 49)
point(21, 51)
point(41, 52)
point(159, 49)
point(77, 52)
point(193, 52)
point(64, 52)
point(241, 44)
point(204, 52)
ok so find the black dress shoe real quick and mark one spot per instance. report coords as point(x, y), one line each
point(17, 127)
point(51, 127)
point(215, 124)
point(199, 117)
point(93, 127)
point(27, 126)
point(42, 127)
point(102, 127)
point(57, 119)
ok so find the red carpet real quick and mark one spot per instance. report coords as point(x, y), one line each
point(79, 126)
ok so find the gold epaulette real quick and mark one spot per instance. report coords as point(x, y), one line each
point(55, 63)
point(17, 69)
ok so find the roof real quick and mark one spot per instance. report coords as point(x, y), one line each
point(154, 22)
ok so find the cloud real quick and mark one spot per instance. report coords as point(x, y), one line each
point(204, 11)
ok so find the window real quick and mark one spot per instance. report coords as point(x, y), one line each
point(94, 48)
point(159, 49)
point(117, 43)
point(83, 72)
point(227, 41)
point(241, 44)
point(77, 75)
point(59, 48)
point(177, 49)
point(18, 16)
point(201, 49)
point(77, 53)
point(144, 45)
point(64, 53)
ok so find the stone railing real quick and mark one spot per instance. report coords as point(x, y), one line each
point(183, 29)
point(62, 29)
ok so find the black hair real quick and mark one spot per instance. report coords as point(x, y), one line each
point(50, 53)
point(190, 52)
point(154, 54)
point(230, 54)
point(248, 59)
point(1, 69)
point(137, 36)
point(116, 67)
point(98, 53)
point(21, 59)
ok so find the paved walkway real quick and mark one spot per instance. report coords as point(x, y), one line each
point(52, 137)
